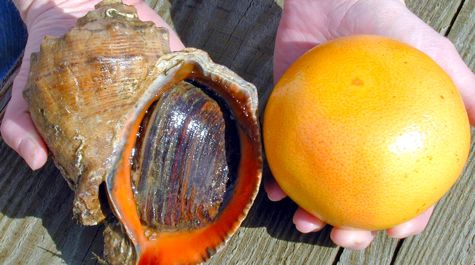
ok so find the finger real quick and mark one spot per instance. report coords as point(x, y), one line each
point(411, 227)
point(449, 59)
point(394, 20)
point(306, 223)
point(295, 36)
point(273, 190)
point(354, 239)
point(19, 133)
point(146, 13)
point(442, 51)
point(17, 129)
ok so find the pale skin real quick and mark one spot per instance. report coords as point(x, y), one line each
point(304, 24)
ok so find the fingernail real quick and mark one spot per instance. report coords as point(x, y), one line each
point(352, 239)
point(307, 227)
point(401, 232)
point(275, 196)
point(306, 223)
point(274, 193)
point(27, 150)
point(358, 245)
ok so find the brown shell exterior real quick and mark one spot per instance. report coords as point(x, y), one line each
point(87, 92)
point(79, 87)
point(118, 247)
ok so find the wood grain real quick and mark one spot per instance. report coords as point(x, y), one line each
point(238, 34)
point(438, 14)
point(36, 225)
point(268, 237)
point(462, 33)
point(381, 251)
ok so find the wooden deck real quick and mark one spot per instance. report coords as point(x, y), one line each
point(36, 225)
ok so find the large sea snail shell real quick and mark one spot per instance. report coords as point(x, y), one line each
point(173, 136)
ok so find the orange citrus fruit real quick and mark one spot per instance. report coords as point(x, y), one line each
point(365, 132)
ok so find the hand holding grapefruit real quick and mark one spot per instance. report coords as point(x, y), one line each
point(365, 132)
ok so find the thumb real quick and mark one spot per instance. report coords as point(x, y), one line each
point(450, 60)
point(17, 129)
point(392, 19)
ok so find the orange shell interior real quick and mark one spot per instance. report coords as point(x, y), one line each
point(195, 246)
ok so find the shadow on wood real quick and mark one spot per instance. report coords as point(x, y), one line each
point(33, 201)
point(277, 218)
point(237, 34)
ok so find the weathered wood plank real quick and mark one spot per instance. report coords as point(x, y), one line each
point(238, 34)
point(462, 33)
point(268, 237)
point(438, 14)
point(36, 225)
point(381, 251)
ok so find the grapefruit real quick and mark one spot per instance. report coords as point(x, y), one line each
point(365, 132)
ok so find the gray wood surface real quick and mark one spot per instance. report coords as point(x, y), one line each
point(462, 33)
point(36, 225)
point(438, 14)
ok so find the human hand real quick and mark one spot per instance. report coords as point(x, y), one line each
point(307, 23)
point(54, 18)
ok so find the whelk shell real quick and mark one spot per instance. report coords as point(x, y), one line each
point(173, 136)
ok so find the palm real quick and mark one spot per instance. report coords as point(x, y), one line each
point(305, 25)
point(17, 128)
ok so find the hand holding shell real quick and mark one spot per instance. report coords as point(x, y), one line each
point(173, 136)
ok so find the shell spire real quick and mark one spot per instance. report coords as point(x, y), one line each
point(79, 85)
